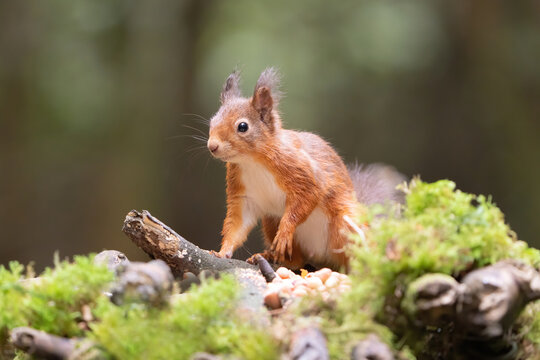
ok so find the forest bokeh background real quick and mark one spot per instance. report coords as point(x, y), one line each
point(97, 97)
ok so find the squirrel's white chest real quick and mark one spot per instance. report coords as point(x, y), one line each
point(265, 197)
point(261, 190)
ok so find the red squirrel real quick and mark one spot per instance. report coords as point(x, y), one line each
point(294, 182)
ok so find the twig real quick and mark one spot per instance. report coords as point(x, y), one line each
point(266, 269)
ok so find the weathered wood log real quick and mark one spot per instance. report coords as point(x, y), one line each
point(431, 300)
point(492, 297)
point(149, 282)
point(371, 348)
point(46, 346)
point(482, 309)
point(113, 259)
point(484, 305)
point(161, 242)
point(308, 344)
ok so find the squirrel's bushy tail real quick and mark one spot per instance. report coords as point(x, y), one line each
point(376, 183)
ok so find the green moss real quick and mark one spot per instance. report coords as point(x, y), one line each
point(441, 230)
point(12, 311)
point(53, 301)
point(530, 320)
point(203, 319)
point(58, 298)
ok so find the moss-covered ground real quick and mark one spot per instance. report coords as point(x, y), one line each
point(439, 230)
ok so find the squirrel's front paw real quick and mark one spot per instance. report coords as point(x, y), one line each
point(215, 253)
point(222, 254)
point(266, 254)
point(280, 247)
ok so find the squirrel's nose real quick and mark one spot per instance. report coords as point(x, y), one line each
point(213, 146)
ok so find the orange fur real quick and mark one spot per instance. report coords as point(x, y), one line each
point(305, 188)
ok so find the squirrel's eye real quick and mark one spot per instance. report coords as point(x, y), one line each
point(242, 127)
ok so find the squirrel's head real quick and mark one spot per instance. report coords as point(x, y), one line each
point(242, 125)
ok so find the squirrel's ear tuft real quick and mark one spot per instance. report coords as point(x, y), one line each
point(231, 88)
point(266, 94)
point(270, 79)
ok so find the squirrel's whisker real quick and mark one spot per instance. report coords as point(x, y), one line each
point(194, 128)
point(201, 119)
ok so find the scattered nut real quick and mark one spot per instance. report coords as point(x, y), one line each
point(271, 299)
point(287, 284)
point(314, 282)
point(323, 274)
point(284, 273)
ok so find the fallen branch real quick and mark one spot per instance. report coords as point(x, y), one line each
point(41, 344)
point(46, 346)
point(161, 242)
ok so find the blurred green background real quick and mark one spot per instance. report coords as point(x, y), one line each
point(97, 99)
